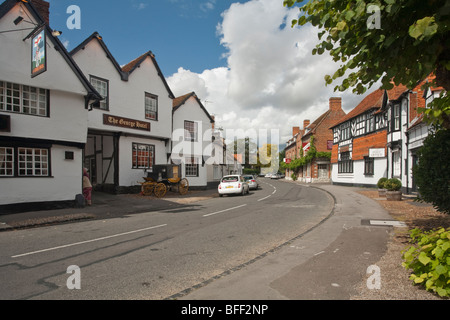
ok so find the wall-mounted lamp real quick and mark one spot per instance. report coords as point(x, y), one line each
point(56, 33)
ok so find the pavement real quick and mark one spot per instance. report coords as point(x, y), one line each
point(325, 263)
point(104, 206)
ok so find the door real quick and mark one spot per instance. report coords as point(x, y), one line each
point(323, 171)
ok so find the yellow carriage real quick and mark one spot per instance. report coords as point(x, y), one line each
point(164, 178)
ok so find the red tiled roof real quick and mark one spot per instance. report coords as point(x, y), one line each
point(132, 65)
point(373, 101)
point(178, 101)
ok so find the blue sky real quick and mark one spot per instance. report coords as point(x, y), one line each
point(181, 33)
point(250, 69)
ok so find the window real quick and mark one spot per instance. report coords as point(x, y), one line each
point(370, 123)
point(23, 99)
point(151, 106)
point(33, 162)
point(397, 117)
point(190, 131)
point(369, 166)
point(143, 156)
point(24, 162)
point(102, 87)
point(192, 167)
point(345, 164)
point(6, 162)
point(345, 131)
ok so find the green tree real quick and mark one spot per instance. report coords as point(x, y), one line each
point(395, 41)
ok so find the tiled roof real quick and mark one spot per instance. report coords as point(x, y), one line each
point(136, 62)
point(373, 101)
point(179, 101)
point(312, 127)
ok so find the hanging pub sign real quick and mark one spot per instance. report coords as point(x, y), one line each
point(38, 53)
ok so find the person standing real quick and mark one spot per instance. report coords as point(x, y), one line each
point(87, 187)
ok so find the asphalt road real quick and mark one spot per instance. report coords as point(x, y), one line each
point(157, 255)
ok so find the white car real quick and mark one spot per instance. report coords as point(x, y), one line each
point(233, 184)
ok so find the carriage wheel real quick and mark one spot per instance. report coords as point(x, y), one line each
point(147, 189)
point(160, 190)
point(183, 187)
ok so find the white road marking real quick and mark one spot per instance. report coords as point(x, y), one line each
point(211, 214)
point(88, 241)
point(264, 198)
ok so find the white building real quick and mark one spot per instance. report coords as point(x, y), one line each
point(407, 132)
point(192, 140)
point(43, 117)
point(130, 131)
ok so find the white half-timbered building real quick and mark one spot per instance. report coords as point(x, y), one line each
point(130, 131)
point(44, 99)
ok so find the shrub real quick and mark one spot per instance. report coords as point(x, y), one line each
point(432, 174)
point(429, 259)
point(381, 182)
point(393, 184)
point(294, 177)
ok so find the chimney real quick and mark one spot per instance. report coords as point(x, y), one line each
point(43, 8)
point(295, 130)
point(335, 104)
point(306, 124)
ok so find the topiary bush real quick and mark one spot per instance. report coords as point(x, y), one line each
point(429, 259)
point(380, 183)
point(393, 184)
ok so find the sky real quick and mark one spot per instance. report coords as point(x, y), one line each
point(249, 68)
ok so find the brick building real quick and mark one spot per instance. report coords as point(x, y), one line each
point(318, 135)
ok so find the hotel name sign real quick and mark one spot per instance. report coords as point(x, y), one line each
point(126, 123)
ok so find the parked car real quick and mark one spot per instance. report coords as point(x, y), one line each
point(276, 176)
point(233, 184)
point(252, 183)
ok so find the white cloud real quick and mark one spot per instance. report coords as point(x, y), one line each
point(208, 5)
point(272, 80)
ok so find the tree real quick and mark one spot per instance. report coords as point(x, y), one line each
point(432, 174)
point(395, 41)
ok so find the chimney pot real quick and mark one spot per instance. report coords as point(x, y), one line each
point(306, 123)
point(43, 8)
point(335, 104)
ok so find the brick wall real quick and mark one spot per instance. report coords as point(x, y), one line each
point(362, 145)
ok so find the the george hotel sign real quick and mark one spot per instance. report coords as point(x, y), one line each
point(126, 123)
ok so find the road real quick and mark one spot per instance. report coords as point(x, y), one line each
point(157, 255)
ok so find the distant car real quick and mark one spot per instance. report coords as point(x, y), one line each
point(276, 176)
point(252, 183)
point(269, 175)
point(233, 184)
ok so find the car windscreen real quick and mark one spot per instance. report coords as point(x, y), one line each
point(246, 178)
